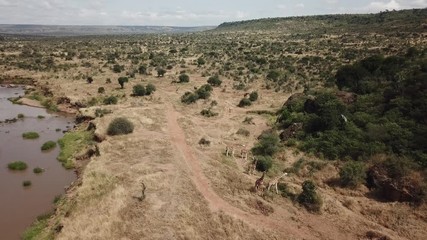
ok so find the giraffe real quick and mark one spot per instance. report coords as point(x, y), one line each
point(229, 150)
point(275, 181)
point(259, 183)
point(244, 153)
point(252, 166)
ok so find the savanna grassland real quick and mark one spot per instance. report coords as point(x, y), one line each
point(337, 102)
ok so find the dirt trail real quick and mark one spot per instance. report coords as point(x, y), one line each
point(216, 203)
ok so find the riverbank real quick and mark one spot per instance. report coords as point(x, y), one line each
point(29, 192)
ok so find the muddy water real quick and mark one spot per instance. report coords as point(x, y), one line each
point(19, 206)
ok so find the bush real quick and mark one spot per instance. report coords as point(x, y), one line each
point(142, 69)
point(214, 81)
point(26, 183)
point(268, 144)
point(38, 170)
point(264, 163)
point(253, 96)
point(89, 80)
point(139, 90)
point(309, 197)
point(48, 145)
point(149, 89)
point(30, 135)
point(189, 98)
point(243, 132)
point(161, 72)
point(101, 90)
point(120, 126)
point(183, 78)
point(244, 103)
point(201, 61)
point(111, 100)
point(204, 142)
point(352, 174)
point(17, 166)
point(20, 116)
point(204, 92)
point(117, 68)
point(208, 113)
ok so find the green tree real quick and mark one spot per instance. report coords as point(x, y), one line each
point(122, 81)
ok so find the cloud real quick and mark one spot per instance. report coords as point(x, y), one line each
point(384, 5)
point(376, 6)
point(300, 5)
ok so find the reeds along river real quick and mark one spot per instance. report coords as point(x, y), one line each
point(19, 205)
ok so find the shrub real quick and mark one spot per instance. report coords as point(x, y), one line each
point(189, 98)
point(248, 120)
point(268, 144)
point(139, 90)
point(101, 90)
point(117, 68)
point(17, 166)
point(352, 174)
point(26, 183)
point(142, 69)
point(38, 170)
point(30, 135)
point(120, 126)
point(149, 89)
point(243, 132)
point(264, 163)
point(204, 142)
point(101, 112)
point(20, 116)
point(40, 117)
point(253, 96)
point(111, 100)
point(214, 81)
point(161, 72)
point(204, 92)
point(89, 80)
point(201, 61)
point(244, 103)
point(309, 197)
point(208, 113)
point(48, 145)
point(183, 78)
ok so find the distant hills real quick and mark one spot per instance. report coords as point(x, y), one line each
point(414, 20)
point(57, 30)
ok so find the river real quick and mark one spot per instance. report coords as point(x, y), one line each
point(19, 205)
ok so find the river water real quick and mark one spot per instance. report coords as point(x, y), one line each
point(19, 206)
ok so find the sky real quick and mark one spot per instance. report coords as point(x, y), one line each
point(180, 12)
